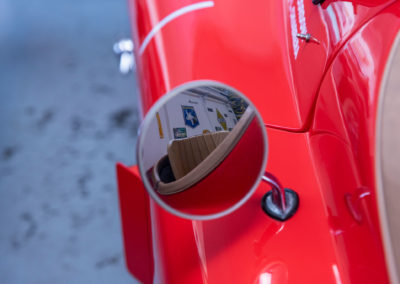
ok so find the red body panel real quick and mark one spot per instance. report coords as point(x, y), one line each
point(134, 204)
point(324, 106)
point(246, 46)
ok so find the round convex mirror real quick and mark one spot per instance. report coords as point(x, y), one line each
point(202, 150)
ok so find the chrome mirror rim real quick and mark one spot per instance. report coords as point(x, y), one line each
point(146, 123)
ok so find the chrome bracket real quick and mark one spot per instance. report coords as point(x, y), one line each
point(124, 49)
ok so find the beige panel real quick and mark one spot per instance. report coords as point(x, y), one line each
point(389, 175)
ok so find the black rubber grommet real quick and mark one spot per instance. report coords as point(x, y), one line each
point(292, 204)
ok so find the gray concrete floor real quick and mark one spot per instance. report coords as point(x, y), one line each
point(66, 117)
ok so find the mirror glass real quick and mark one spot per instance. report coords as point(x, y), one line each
point(202, 150)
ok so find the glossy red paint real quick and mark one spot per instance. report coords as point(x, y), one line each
point(134, 205)
point(358, 246)
point(244, 45)
point(368, 3)
point(323, 147)
point(346, 112)
point(236, 174)
point(341, 20)
point(248, 245)
point(242, 247)
point(349, 93)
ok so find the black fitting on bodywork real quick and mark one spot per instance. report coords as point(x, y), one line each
point(277, 212)
point(279, 203)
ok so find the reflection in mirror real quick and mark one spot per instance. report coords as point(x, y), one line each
point(201, 150)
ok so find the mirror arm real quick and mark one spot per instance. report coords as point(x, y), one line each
point(278, 192)
point(279, 203)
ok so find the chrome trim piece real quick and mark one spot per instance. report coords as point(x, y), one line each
point(170, 17)
point(124, 49)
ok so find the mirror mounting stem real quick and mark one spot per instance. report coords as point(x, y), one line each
point(279, 203)
point(278, 192)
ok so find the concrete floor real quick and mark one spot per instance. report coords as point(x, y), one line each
point(66, 117)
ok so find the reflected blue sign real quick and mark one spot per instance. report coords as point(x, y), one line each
point(190, 116)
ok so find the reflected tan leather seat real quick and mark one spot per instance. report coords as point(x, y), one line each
point(185, 154)
point(388, 162)
point(191, 159)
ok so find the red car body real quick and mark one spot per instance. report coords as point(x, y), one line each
point(319, 103)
